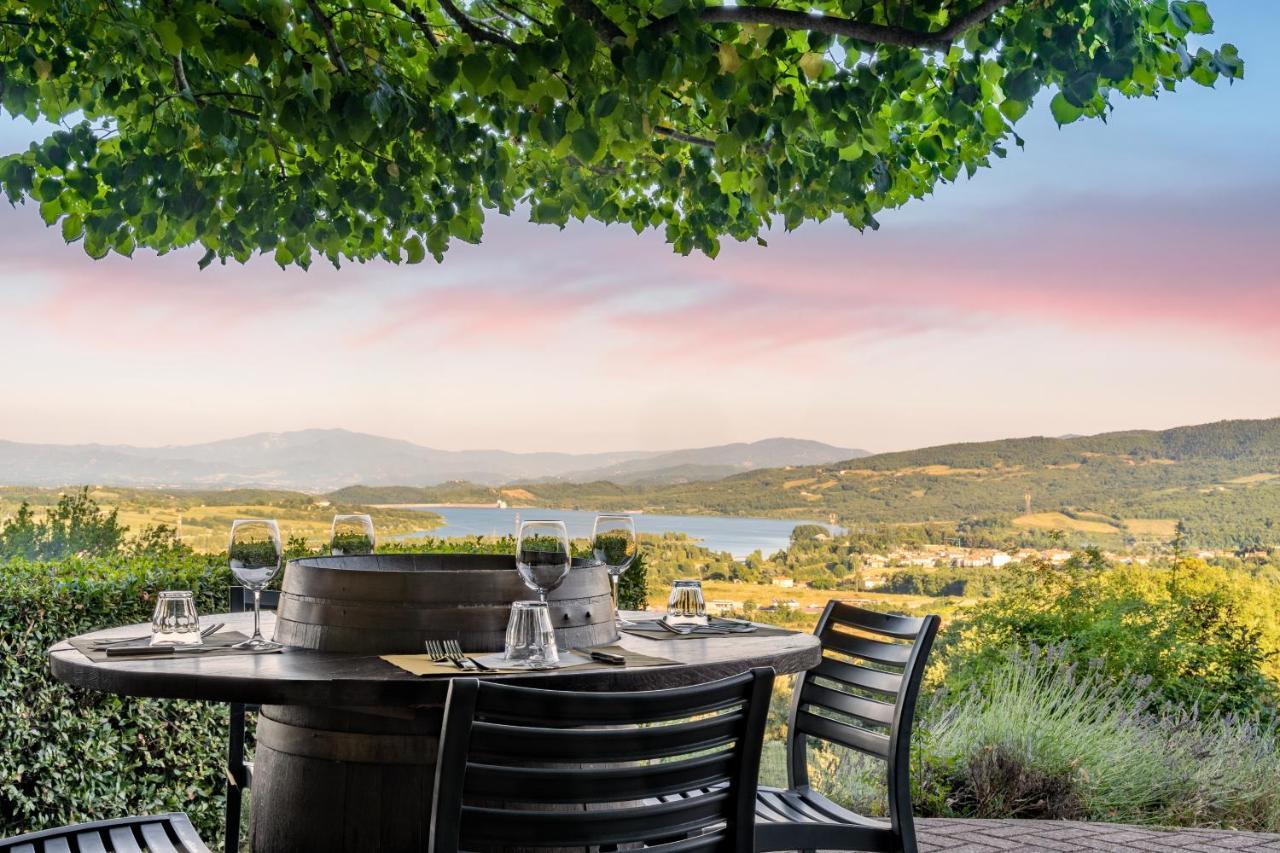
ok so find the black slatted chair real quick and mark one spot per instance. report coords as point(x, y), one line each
point(673, 769)
point(861, 696)
point(166, 833)
point(240, 772)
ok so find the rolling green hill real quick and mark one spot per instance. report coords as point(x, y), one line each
point(1222, 480)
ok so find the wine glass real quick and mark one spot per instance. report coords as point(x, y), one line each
point(352, 535)
point(542, 555)
point(613, 542)
point(254, 553)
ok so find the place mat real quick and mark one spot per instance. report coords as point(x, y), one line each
point(215, 645)
point(651, 630)
point(577, 660)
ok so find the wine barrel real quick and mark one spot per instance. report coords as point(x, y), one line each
point(391, 603)
point(369, 771)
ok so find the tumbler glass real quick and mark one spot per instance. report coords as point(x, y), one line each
point(686, 606)
point(174, 622)
point(531, 642)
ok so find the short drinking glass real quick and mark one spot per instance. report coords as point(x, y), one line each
point(174, 622)
point(531, 642)
point(254, 554)
point(352, 535)
point(686, 605)
point(542, 556)
point(613, 542)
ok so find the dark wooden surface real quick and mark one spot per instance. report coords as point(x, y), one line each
point(391, 603)
point(305, 677)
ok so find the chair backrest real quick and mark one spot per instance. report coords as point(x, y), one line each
point(521, 766)
point(240, 599)
point(863, 694)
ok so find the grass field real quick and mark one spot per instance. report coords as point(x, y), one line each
point(1059, 521)
point(1156, 528)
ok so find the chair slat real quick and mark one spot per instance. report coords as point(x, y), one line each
point(90, 842)
point(872, 743)
point(122, 840)
point(893, 654)
point(532, 704)
point(887, 624)
point(879, 713)
point(853, 675)
point(57, 845)
point(596, 784)
point(156, 839)
point(488, 826)
point(539, 743)
point(23, 848)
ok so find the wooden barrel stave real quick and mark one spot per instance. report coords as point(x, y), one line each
point(340, 779)
point(385, 604)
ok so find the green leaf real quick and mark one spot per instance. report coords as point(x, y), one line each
point(72, 228)
point(1064, 112)
point(586, 144)
point(606, 104)
point(476, 69)
point(1192, 15)
point(414, 251)
point(170, 39)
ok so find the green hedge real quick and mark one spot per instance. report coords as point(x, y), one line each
point(68, 755)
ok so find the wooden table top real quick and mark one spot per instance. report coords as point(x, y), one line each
point(306, 677)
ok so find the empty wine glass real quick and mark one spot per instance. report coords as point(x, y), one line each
point(542, 555)
point(613, 542)
point(254, 554)
point(352, 535)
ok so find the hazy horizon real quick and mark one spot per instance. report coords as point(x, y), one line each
point(1109, 277)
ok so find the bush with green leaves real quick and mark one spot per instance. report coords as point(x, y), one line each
point(1206, 636)
point(67, 754)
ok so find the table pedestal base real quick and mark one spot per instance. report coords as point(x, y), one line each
point(343, 779)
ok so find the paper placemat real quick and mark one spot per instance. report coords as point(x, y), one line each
point(574, 659)
point(652, 630)
point(215, 645)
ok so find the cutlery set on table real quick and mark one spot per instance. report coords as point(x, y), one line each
point(141, 645)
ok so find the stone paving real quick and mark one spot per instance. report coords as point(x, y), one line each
point(1036, 836)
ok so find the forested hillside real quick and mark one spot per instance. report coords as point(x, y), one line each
point(1221, 480)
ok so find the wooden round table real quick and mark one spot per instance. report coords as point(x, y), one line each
point(346, 742)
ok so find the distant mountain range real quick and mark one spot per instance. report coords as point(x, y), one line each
point(319, 460)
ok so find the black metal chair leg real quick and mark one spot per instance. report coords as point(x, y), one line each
point(235, 780)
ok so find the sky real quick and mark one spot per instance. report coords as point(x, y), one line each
point(1115, 276)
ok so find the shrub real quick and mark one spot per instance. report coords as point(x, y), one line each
point(1039, 736)
point(68, 755)
point(1206, 636)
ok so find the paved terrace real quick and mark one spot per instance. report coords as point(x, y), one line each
point(1034, 836)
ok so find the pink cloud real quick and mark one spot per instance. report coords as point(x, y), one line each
point(1165, 263)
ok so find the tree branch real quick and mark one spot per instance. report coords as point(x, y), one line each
point(595, 16)
point(790, 19)
point(326, 26)
point(471, 28)
point(180, 77)
point(681, 136)
point(420, 19)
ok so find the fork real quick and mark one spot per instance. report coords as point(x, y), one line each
point(436, 652)
point(454, 650)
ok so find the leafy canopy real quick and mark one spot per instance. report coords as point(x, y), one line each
point(387, 128)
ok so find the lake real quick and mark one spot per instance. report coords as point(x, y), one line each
point(738, 536)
